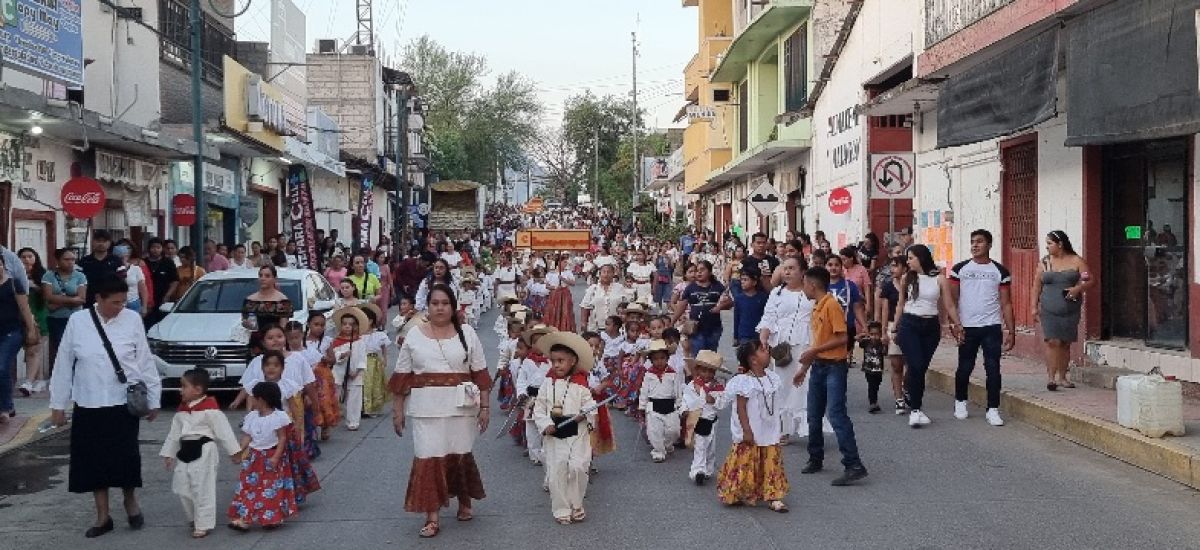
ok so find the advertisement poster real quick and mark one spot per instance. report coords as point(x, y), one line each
point(366, 206)
point(301, 216)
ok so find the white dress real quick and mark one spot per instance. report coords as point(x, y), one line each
point(440, 427)
point(788, 316)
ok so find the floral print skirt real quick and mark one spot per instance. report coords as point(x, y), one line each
point(327, 396)
point(304, 477)
point(752, 473)
point(265, 495)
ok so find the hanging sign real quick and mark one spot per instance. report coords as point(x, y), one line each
point(839, 200)
point(764, 198)
point(366, 205)
point(82, 198)
point(302, 219)
point(183, 209)
point(892, 176)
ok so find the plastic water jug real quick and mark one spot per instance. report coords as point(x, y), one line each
point(1150, 404)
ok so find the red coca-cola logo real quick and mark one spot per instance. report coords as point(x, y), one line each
point(82, 197)
point(183, 209)
point(839, 200)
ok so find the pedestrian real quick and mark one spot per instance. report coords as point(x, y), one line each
point(505, 378)
point(386, 298)
point(164, 278)
point(505, 277)
point(601, 381)
point(700, 302)
point(826, 359)
point(266, 493)
point(560, 306)
point(336, 271)
point(138, 298)
point(34, 272)
point(632, 365)
point(316, 343)
point(367, 284)
point(1058, 287)
point(980, 292)
point(65, 290)
point(642, 273)
point(849, 296)
point(376, 340)
point(241, 260)
point(104, 434)
point(348, 355)
point(99, 263)
point(600, 301)
point(304, 477)
point(445, 419)
point(887, 296)
point(213, 259)
point(311, 416)
point(536, 291)
point(923, 295)
point(17, 328)
point(702, 397)
point(199, 431)
point(660, 398)
point(664, 274)
point(759, 258)
point(439, 273)
point(856, 273)
point(749, 301)
point(532, 372)
point(565, 413)
point(753, 469)
point(874, 352)
point(188, 272)
point(347, 294)
point(267, 307)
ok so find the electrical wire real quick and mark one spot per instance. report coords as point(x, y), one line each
point(213, 6)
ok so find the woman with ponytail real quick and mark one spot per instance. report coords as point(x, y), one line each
point(924, 297)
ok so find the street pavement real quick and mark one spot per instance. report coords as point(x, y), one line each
point(952, 485)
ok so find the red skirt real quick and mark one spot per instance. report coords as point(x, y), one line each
point(327, 396)
point(265, 495)
point(304, 477)
point(560, 310)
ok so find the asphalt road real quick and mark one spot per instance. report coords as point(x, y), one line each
point(953, 485)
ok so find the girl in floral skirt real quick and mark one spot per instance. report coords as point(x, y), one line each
point(315, 345)
point(295, 457)
point(266, 492)
point(753, 470)
point(294, 332)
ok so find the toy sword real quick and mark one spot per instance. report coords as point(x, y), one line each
point(510, 420)
point(585, 412)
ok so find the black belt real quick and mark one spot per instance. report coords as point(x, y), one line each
point(532, 391)
point(506, 282)
point(563, 432)
point(191, 449)
point(704, 426)
point(662, 406)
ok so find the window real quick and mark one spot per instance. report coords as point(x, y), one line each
point(743, 115)
point(227, 295)
point(795, 66)
point(175, 31)
point(720, 96)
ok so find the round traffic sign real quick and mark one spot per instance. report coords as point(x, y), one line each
point(183, 209)
point(839, 200)
point(891, 176)
point(423, 209)
point(82, 197)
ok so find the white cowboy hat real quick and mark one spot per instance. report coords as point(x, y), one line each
point(656, 346)
point(535, 330)
point(353, 311)
point(572, 341)
point(710, 359)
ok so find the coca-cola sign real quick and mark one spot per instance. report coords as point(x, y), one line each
point(839, 200)
point(82, 198)
point(183, 209)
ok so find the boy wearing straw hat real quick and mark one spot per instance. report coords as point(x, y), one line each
point(701, 398)
point(565, 412)
point(348, 355)
point(530, 376)
point(660, 397)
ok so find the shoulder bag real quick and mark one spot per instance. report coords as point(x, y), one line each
point(137, 395)
point(782, 352)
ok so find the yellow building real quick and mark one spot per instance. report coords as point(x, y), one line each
point(707, 143)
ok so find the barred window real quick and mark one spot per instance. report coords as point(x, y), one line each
point(216, 41)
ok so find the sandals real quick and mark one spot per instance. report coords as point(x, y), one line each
point(239, 526)
point(430, 530)
point(1052, 386)
point(578, 515)
point(199, 534)
point(1068, 385)
point(777, 506)
point(464, 514)
point(563, 521)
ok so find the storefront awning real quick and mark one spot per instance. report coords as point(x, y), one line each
point(1011, 92)
point(754, 161)
point(903, 99)
point(776, 17)
point(1131, 72)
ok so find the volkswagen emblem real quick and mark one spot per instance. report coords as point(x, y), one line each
point(210, 353)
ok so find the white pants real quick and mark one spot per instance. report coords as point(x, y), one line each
point(663, 432)
point(567, 462)
point(196, 485)
point(704, 455)
point(533, 439)
point(354, 404)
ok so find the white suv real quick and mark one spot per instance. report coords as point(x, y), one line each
point(198, 330)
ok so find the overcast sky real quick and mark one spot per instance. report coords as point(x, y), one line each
point(565, 46)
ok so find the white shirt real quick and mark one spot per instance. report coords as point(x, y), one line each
point(133, 276)
point(296, 370)
point(261, 429)
point(612, 344)
point(925, 303)
point(667, 386)
point(196, 424)
point(554, 279)
point(452, 258)
point(246, 264)
point(694, 399)
point(531, 374)
point(640, 273)
point(534, 288)
point(85, 374)
point(788, 315)
point(603, 303)
point(762, 407)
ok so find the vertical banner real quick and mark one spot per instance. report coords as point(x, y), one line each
point(366, 205)
point(303, 219)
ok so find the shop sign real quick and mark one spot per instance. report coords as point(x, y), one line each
point(44, 38)
point(129, 171)
point(217, 180)
point(82, 198)
point(845, 137)
point(301, 217)
point(253, 108)
point(839, 200)
point(699, 113)
point(183, 209)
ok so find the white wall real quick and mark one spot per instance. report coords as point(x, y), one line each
point(123, 81)
point(46, 190)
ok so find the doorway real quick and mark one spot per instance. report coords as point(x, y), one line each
point(1146, 242)
point(1019, 213)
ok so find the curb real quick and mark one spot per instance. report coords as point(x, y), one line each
point(29, 434)
point(1170, 460)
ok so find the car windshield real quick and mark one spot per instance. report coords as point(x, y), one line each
point(227, 295)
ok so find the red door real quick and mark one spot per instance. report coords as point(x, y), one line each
point(1018, 209)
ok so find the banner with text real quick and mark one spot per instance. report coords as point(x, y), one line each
point(366, 204)
point(301, 216)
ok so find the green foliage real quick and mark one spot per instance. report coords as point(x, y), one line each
point(669, 230)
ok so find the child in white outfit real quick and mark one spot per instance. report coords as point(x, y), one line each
point(701, 398)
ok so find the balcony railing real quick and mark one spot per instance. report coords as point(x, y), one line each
point(175, 31)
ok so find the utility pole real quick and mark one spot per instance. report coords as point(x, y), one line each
point(596, 168)
point(404, 232)
point(198, 228)
point(637, 156)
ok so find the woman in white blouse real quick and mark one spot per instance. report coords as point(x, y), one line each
point(787, 319)
point(104, 435)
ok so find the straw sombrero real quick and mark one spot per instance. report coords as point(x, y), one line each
point(635, 307)
point(535, 330)
point(574, 342)
point(509, 299)
point(353, 311)
point(710, 359)
point(375, 311)
point(515, 309)
point(656, 346)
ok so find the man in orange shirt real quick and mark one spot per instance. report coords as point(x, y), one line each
point(826, 357)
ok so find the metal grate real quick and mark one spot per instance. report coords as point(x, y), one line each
point(191, 355)
point(1020, 196)
point(216, 41)
point(795, 66)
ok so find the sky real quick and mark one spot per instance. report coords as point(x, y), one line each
point(565, 46)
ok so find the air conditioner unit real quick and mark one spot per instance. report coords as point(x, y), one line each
point(327, 45)
point(360, 49)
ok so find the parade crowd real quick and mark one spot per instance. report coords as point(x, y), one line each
point(644, 342)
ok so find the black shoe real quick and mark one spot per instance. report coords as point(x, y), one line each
point(874, 409)
point(94, 532)
point(137, 522)
point(812, 467)
point(699, 479)
point(850, 476)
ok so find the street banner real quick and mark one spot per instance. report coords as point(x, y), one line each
point(366, 205)
point(554, 239)
point(301, 216)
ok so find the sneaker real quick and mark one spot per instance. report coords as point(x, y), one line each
point(39, 386)
point(26, 389)
point(850, 476)
point(960, 410)
point(812, 467)
point(916, 419)
point(901, 407)
point(993, 417)
point(699, 479)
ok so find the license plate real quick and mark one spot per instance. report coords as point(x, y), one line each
point(214, 373)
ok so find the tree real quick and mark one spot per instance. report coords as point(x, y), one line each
point(557, 156)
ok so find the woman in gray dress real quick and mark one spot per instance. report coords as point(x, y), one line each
point(1061, 280)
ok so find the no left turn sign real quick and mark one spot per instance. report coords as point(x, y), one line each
point(892, 176)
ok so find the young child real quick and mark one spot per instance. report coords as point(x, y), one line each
point(304, 477)
point(191, 448)
point(508, 304)
point(567, 399)
point(678, 359)
point(660, 397)
point(315, 346)
point(657, 326)
point(468, 297)
point(874, 351)
point(753, 470)
point(827, 359)
point(536, 291)
point(311, 401)
point(266, 492)
point(375, 392)
point(348, 355)
point(600, 380)
point(504, 376)
point(518, 399)
point(701, 398)
point(529, 382)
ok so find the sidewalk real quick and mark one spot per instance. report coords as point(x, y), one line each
point(22, 429)
point(1085, 415)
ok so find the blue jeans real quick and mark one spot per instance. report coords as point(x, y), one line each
point(827, 397)
point(10, 344)
point(134, 306)
point(918, 338)
point(708, 339)
point(991, 339)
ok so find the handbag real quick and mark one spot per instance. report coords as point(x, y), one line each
point(782, 352)
point(137, 395)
